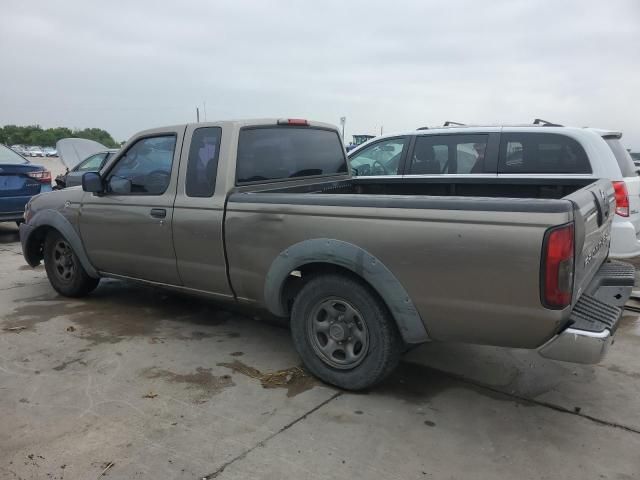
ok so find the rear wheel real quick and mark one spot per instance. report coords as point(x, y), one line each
point(344, 333)
point(64, 270)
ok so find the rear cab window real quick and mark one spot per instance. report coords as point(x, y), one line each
point(625, 162)
point(285, 152)
point(542, 153)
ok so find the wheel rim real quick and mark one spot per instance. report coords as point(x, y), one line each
point(338, 333)
point(63, 261)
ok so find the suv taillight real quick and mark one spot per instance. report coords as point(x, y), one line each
point(622, 198)
point(557, 266)
point(42, 176)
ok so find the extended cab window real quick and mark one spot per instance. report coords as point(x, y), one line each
point(203, 162)
point(275, 153)
point(541, 153)
point(381, 158)
point(145, 169)
point(448, 154)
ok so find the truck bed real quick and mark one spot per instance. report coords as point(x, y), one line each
point(468, 251)
point(491, 187)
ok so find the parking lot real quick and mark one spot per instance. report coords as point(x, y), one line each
point(134, 382)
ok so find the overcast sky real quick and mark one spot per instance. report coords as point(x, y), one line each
point(131, 65)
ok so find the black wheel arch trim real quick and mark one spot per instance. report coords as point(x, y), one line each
point(358, 261)
point(53, 219)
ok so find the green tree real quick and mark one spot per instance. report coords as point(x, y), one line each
point(36, 135)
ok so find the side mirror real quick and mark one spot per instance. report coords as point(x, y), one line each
point(91, 182)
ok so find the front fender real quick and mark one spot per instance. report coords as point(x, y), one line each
point(32, 236)
point(358, 261)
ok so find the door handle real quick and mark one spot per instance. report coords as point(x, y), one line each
point(158, 212)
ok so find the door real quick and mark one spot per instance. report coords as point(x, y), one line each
point(199, 213)
point(127, 229)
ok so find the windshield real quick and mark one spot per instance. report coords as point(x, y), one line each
point(9, 156)
point(625, 161)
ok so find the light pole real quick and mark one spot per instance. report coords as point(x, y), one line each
point(343, 120)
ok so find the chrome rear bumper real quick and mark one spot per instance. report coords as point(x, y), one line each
point(594, 318)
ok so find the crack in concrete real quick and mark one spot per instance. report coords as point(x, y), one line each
point(262, 443)
point(541, 403)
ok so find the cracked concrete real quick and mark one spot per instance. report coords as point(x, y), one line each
point(140, 378)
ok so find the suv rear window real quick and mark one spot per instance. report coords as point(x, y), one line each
point(541, 153)
point(625, 162)
point(276, 153)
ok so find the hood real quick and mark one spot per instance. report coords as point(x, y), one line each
point(74, 150)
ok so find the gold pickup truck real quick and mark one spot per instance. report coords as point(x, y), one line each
point(265, 213)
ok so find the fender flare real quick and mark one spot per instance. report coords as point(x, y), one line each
point(361, 263)
point(54, 219)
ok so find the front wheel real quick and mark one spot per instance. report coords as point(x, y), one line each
point(344, 333)
point(64, 270)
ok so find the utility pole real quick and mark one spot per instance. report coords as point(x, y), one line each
point(343, 120)
point(197, 115)
point(205, 110)
point(381, 129)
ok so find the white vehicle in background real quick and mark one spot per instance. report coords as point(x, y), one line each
point(35, 151)
point(518, 154)
point(50, 152)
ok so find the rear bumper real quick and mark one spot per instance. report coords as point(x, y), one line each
point(594, 318)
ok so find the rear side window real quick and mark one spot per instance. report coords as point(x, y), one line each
point(625, 161)
point(448, 154)
point(276, 153)
point(541, 153)
point(202, 167)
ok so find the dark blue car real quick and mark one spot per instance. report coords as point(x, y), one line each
point(19, 181)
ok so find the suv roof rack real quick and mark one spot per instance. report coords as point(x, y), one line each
point(456, 124)
point(423, 128)
point(544, 123)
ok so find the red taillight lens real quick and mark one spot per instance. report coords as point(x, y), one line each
point(622, 198)
point(293, 121)
point(557, 274)
point(42, 176)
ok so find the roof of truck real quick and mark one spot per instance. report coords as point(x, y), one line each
point(239, 123)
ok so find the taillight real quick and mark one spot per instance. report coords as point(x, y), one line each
point(622, 198)
point(42, 176)
point(557, 266)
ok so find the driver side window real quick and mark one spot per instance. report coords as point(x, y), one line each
point(381, 158)
point(145, 169)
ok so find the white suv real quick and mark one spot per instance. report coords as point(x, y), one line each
point(515, 153)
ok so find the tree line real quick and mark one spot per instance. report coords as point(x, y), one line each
point(36, 135)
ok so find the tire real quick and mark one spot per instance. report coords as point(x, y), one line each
point(371, 344)
point(64, 270)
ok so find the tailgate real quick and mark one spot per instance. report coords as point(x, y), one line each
point(594, 209)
